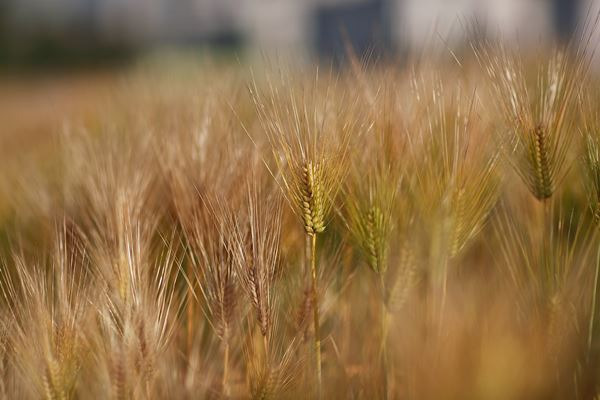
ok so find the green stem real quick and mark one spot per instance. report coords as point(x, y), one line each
point(550, 275)
point(384, 331)
point(313, 268)
point(439, 277)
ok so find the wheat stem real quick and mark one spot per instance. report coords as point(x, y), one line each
point(444, 291)
point(594, 305)
point(225, 383)
point(544, 241)
point(313, 267)
point(266, 349)
point(384, 331)
point(189, 309)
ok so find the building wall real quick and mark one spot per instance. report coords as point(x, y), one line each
point(425, 22)
point(280, 27)
point(287, 26)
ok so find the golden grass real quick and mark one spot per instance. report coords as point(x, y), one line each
point(200, 231)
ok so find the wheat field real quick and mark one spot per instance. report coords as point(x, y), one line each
point(188, 228)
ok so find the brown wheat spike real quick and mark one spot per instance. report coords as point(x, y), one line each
point(119, 376)
point(273, 371)
point(472, 199)
point(536, 116)
point(209, 235)
point(133, 336)
point(592, 160)
point(304, 308)
point(590, 132)
point(404, 278)
point(48, 312)
point(111, 193)
point(132, 266)
point(214, 268)
point(255, 251)
point(456, 181)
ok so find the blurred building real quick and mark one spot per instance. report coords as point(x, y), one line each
point(311, 27)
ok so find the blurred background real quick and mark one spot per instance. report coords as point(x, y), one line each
point(45, 33)
point(65, 61)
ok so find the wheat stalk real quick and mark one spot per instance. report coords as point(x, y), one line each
point(309, 140)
